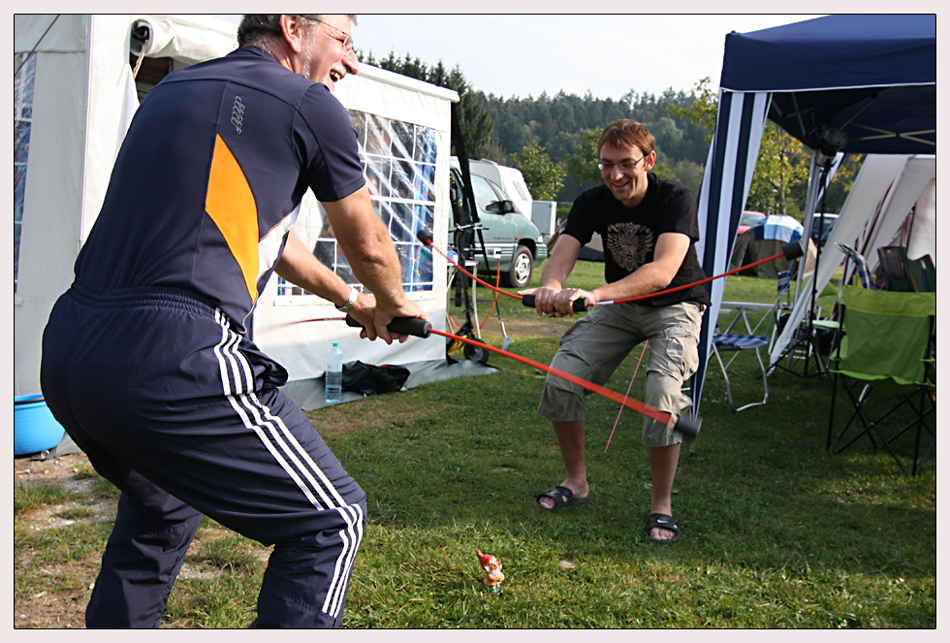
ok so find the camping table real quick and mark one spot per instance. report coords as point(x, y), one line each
point(742, 308)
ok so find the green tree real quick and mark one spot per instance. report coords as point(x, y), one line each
point(581, 164)
point(842, 182)
point(663, 170)
point(474, 120)
point(669, 137)
point(492, 151)
point(543, 176)
point(701, 111)
point(782, 165)
point(689, 173)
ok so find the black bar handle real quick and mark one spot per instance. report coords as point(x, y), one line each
point(579, 305)
point(400, 325)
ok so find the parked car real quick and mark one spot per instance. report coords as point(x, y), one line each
point(820, 237)
point(510, 237)
point(748, 219)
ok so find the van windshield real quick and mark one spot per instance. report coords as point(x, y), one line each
point(484, 194)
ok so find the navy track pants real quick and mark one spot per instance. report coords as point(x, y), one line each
point(184, 416)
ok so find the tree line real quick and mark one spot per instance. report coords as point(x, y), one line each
point(552, 139)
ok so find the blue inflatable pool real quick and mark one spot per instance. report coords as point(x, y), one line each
point(34, 427)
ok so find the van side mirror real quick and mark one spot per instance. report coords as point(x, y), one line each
point(501, 207)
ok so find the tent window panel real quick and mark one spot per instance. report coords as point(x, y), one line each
point(399, 162)
point(151, 72)
point(24, 83)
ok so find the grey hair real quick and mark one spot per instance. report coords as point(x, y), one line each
point(262, 29)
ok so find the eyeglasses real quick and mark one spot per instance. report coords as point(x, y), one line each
point(347, 38)
point(625, 166)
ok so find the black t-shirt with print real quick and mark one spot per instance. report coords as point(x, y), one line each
point(630, 234)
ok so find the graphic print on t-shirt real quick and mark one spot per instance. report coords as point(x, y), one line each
point(630, 245)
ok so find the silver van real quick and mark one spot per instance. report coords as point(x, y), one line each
point(511, 240)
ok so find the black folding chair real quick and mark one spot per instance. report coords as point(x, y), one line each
point(895, 269)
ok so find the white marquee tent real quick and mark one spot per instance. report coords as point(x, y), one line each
point(889, 189)
point(74, 97)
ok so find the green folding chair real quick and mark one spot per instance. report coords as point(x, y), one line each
point(885, 348)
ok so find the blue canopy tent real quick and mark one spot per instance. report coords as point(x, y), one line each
point(870, 77)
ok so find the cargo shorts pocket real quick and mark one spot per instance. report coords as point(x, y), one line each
point(677, 353)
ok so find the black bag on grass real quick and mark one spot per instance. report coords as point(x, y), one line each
point(367, 379)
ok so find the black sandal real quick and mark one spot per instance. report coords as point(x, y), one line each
point(664, 522)
point(562, 497)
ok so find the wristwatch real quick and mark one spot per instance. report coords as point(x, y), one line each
point(348, 306)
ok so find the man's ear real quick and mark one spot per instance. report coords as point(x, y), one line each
point(650, 162)
point(292, 28)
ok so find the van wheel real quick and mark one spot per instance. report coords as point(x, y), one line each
point(519, 272)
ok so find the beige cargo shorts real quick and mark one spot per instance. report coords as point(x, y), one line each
point(596, 344)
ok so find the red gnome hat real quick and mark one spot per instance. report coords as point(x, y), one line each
point(484, 559)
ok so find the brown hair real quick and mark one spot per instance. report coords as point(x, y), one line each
point(626, 133)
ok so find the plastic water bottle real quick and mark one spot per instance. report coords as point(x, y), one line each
point(334, 375)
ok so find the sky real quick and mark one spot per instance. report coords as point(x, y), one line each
point(527, 55)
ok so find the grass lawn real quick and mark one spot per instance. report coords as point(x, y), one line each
point(776, 533)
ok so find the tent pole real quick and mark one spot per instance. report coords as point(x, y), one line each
point(813, 345)
point(809, 341)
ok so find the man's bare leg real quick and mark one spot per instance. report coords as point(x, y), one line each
point(570, 438)
point(663, 463)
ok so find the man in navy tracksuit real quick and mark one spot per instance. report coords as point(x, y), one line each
point(146, 359)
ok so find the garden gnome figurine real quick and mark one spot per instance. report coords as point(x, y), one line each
point(493, 575)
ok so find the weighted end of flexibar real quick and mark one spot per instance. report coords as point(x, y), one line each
point(579, 305)
point(793, 250)
point(688, 427)
point(425, 236)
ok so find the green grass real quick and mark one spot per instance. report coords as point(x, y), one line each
point(776, 533)
point(27, 497)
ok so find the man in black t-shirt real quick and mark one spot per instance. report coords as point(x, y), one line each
point(649, 229)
